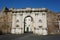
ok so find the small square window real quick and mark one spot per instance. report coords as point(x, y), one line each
point(17, 21)
point(40, 26)
point(21, 28)
point(15, 11)
point(44, 28)
point(21, 14)
point(59, 16)
point(36, 28)
point(14, 14)
point(17, 25)
point(40, 20)
point(36, 14)
point(43, 13)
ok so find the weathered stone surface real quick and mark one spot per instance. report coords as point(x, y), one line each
point(42, 20)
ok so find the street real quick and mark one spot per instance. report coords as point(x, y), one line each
point(29, 36)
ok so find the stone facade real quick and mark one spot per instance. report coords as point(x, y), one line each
point(39, 21)
point(52, 22)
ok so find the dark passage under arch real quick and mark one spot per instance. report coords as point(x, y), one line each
point(27, 26)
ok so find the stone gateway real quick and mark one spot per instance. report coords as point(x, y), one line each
point(36, 20)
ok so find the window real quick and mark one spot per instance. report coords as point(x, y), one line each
point(21, 28)
point(59, 16)
point(15, 11)
point(40, 20)
point(14, 14)
point(40, 26)
point(59, 19)
point(17, 21)
point(21, 14)
point(44, 28)
point(36, 28)
point(43, 13)
point(17, 25)
point(36, 14)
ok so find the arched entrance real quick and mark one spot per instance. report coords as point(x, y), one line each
point(28, 24)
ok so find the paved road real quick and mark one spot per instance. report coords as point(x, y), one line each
point(29, 36)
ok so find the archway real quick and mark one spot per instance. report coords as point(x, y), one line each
point(28, 24)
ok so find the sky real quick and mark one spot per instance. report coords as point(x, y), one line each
point(53, 5)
